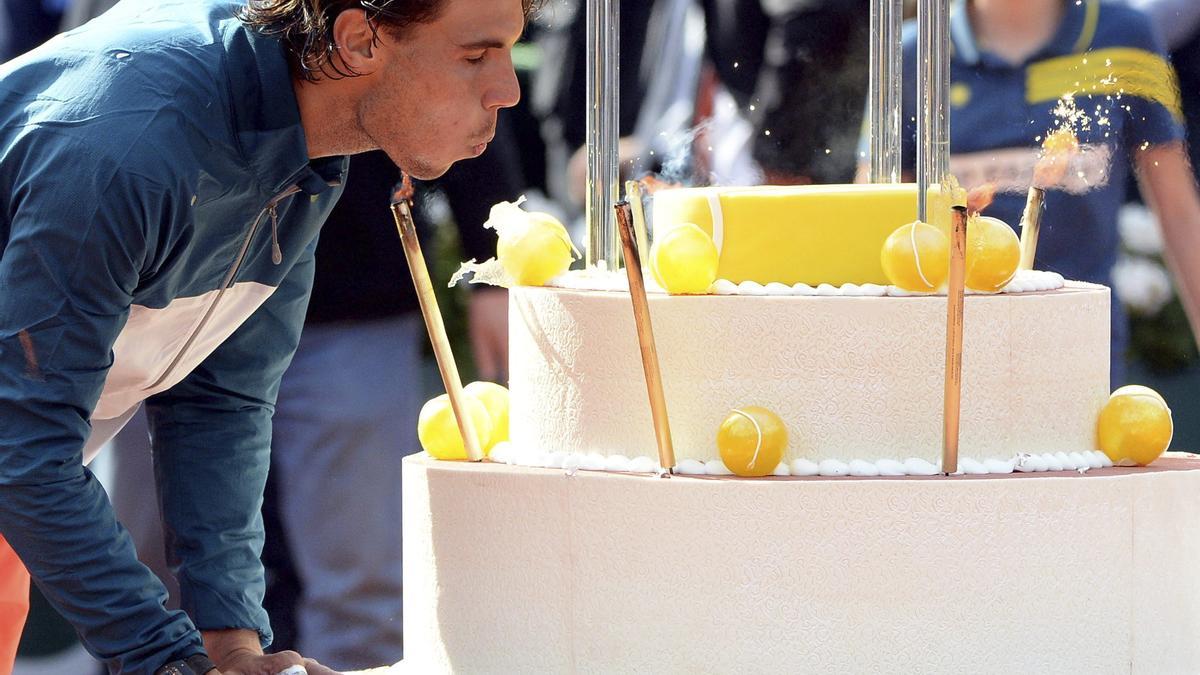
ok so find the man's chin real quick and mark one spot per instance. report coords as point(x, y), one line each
point(427, 172)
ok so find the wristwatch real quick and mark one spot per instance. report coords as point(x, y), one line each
point(196, 664)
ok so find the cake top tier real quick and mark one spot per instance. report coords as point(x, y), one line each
point(810, 234)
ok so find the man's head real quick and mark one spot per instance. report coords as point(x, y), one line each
point(421, 79)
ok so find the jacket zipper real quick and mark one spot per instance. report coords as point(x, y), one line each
point(231, 274)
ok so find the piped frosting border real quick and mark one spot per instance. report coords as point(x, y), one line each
point(506, 453)
point(1025, 281)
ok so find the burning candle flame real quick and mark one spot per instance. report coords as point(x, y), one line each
point(404, 191)
point(651, 184)
point(981, 197)
point(1059, 148)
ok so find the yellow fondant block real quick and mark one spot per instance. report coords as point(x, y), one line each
point(811, 234)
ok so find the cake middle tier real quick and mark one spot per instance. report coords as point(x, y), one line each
point(852, 377)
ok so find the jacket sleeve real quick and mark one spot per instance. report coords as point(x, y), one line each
point(69, 264)
point(212, 439)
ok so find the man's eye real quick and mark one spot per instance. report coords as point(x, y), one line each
point(477, 59)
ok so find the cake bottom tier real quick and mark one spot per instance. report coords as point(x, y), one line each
point(510, 569)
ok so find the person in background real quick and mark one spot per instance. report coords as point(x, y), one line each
point(808, 95)
point(1012, 63)
point(1178, 21)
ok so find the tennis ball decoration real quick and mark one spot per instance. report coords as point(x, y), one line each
point(437, 427)
point(684, 260)
point(751, 441)
point(993, 254)
point(1135, 426)
point(916, 257)
point(494, 398)
point(532, 247)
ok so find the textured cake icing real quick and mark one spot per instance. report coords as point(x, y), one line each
point(854, 378)
point(516, 570)
point(809, 234)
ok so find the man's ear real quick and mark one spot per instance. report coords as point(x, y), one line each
point(355, 41)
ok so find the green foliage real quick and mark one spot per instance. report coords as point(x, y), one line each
point(1163, 342)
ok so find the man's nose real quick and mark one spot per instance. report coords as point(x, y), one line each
point(505, 90)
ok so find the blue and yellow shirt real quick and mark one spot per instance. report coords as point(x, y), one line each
point(1106, 58)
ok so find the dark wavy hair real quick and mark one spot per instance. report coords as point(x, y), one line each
point(306, 26)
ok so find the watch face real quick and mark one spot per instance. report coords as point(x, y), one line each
point(172, 669)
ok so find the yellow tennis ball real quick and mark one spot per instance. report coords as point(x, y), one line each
point(916, 257)
point(534, 249)
point(1135, 426)
point(437, 427)
point(495, 398)
point(993, 254)
point(684, 260)
point(751, 441)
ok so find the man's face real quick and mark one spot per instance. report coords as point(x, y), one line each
point(436, 97)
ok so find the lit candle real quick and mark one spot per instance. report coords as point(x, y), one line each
point(952, 406)
point(1058, 150)
point(645, 334)
point(402, 212)
point(633, 194)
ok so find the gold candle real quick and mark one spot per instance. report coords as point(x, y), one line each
point(645, 334)
point(402, 212)
point(633, 193)
point(1031, 225)
point(951, 412)
point(1058, 150)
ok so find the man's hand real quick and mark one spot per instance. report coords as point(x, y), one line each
point(237, 652)
point(487, 323)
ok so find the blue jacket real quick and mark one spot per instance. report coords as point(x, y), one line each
point(158, 216)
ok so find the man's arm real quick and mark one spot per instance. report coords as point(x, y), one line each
point(1169, 187)
point(212, 445)
point(68, 270)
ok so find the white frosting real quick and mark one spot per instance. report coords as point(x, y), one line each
point(919, 467)
point(833, 467)
point(501, 452)
point(851, 377)
point(751, 288)
point(592, 461)
point(999, 466)
point(1024, 281)
point(861, 467)
point(643, 465)
point(970, 466)
point(715, 467)
point(616, 463)
point(804, 467)
point(518, 571)
point(506, 453)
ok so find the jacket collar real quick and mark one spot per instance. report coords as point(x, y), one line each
point(266, 115)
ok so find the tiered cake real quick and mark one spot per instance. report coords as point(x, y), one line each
point(831, 565)
point(812, 333)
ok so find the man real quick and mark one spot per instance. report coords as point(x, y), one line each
point(166, 169)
